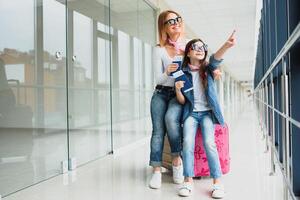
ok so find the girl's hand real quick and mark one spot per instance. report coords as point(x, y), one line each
point(171, 68)
point(179, 95)
point(231, 40)
point(228, 44)
point(179, 85)
point(217, 74)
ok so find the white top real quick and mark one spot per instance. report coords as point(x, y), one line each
point(200, 101)
point(161, 60)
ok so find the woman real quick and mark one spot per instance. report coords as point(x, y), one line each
point(165, 110)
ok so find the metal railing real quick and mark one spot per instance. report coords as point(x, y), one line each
point(266, 109)
point(287, 46)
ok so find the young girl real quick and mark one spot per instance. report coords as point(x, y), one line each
point(201, 108)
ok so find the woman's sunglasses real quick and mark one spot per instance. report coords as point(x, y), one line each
point(174, 21)
point(199, 48)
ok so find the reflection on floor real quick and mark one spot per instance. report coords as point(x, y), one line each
point(28, 156)
point(126, 175)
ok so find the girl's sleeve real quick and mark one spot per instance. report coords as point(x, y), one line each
point(159, 75)
point(213, 63)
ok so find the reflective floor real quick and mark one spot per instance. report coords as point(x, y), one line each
point(22, 166)
point(125, 175)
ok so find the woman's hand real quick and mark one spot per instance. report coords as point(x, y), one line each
point(179, 85)
point(171, 68)
point(217, 74)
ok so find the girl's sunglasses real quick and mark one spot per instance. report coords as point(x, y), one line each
point(171, 22)
point(199, 48)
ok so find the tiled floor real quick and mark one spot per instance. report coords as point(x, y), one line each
point(125, 175)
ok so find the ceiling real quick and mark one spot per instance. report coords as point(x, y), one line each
point(214, 20)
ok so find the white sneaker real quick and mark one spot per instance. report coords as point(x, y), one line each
point(178, 177)
point(218, 191)
point(155, 182)
point(185, 189)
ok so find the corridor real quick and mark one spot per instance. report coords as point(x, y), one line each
point(126, 174)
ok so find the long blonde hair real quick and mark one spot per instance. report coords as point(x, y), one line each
point(162, 34)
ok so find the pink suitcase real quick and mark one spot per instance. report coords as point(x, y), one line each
point(222, 141)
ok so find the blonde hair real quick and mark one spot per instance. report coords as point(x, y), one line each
point(162, 34)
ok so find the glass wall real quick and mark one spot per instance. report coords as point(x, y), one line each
point(33, 124)
point(75, 83)
point(88, 80)
point(132, 80)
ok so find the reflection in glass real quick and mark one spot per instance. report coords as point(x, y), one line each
point(131, 70)
point(82, 49)
point(148, 65)
point(32, 93)
point(124, 59)
point(89, 79)
point(103, 61)
point(109, 77)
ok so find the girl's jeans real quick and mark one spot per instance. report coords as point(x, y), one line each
point(190, 126)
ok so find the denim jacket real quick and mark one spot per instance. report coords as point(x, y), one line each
point(210, 92)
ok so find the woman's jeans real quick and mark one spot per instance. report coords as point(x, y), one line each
point(190, 126)
point(166, 117)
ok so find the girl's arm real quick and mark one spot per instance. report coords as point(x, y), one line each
point(217, 57)
point(179, 95)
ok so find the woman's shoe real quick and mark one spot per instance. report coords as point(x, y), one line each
point(178, 177)
point(185, 189)
point(218, 191)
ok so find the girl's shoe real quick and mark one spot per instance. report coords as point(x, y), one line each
point(178, 177)
point(218, 191)
point(155, 181)
point(185, 189)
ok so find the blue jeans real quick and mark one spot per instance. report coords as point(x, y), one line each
point(166, 117)
point(190, 126)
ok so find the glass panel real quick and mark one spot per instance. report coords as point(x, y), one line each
point(137, 75)
point(124, 100)
point(103, 102)
point(104, 28)
point(147, 32)
point(146, 23)
point(148, 67)
point(54, 39)
point(32, 92)
point(124, 59)
point(103, 61)
point(132, 80)
point(83, 27)
point(89, 79)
